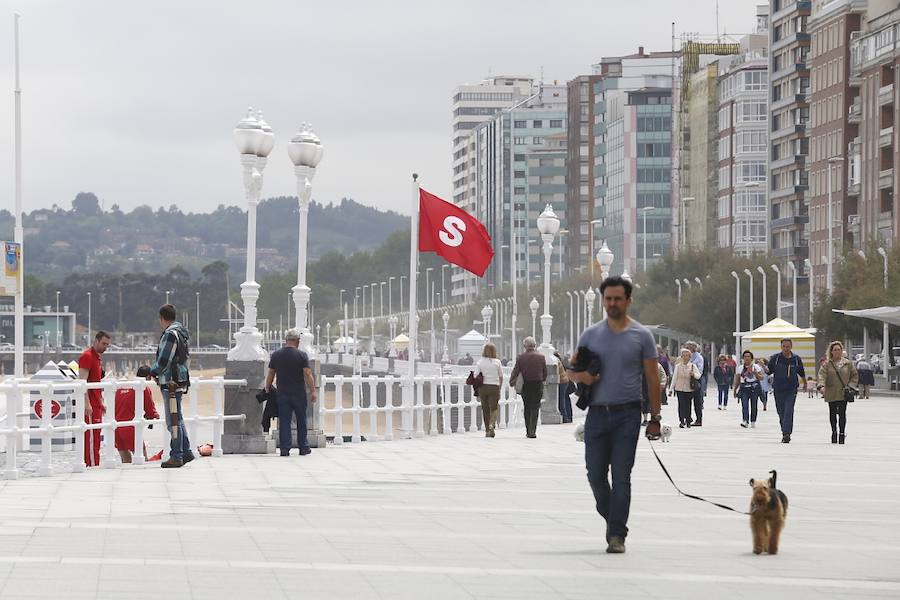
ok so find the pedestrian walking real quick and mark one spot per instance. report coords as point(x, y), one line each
point(866, 377)
point(125, 411)
point(787, 372)
point(289, 367)
point(489, 391)
point(699, 390)
point(747, 388)
point(645, 392)
point(765, 384)
point(173, 376)
point(838, 381)
point(531, 366)
point(565, 403)
point(90, 368)
point(666, 363)
point(724, 377)
point(685, 377)
point(626, 352)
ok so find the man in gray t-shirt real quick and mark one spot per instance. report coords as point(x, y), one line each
point(627, 353)
point(621, 361)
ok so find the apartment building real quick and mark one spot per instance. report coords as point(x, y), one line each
point(580, 164)
point(788, 137)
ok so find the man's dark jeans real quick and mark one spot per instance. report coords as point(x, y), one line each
point(288, 406)
point(784, 404)
point(179, 444)
point(565, 403)
point(723, 394)
point(610, 443)
point(532, 392)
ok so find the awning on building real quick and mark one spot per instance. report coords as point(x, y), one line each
point(885, 314)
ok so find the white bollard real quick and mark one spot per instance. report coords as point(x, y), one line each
point(446, 388)
point(433, 406)
point(503, 410)
point(109, 456)
point(419, 408)
point(79, 397)
point(137, 457)
point(219, 423)
point(356, 436)
point(192, 425)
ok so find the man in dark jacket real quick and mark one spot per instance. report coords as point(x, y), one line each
point(531, 366)
point(724, 376)
point(787, 372)
point(289, 366)
point(171, 372)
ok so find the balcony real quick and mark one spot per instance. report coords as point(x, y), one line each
point(796, 251)
point(886, 94)
point(785, 222)
point(798, 37)
point(886, 179)
point(798, 159)
point(854, 114)
point(853, 187)
point(886, 137)
point(787, 101)
point(801, 6)
point(786, 131)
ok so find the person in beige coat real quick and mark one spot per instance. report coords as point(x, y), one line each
point(835, 375)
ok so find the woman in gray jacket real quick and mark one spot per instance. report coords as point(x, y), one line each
point(836, 375)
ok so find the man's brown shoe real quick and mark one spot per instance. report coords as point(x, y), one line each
point(616, 545)
point(172, 463)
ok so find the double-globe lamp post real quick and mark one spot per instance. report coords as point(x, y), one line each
point(254, 140)
point(605, 257)
point(548, 225)
point(305, 150)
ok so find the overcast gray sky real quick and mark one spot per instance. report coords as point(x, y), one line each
point(136, 101)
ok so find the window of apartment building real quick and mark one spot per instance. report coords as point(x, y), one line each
point(520, 124)
point(583, 110)
point(724, 178)
point(751, 141)
point(519, 140)
point(724, 118)
point(755, 81)
point(520, 175)
point(537, 124)
point(751, 112)
point(724, 148)
point(654, 123)
point(724, 211)
point(750, 201)
point(518, 157)
point(750, 171)
point(584, 169)
point(584, 150)
point(537, 140)
point(556, 123)
point(654, 149)
point(653, 174)
point(519, 190)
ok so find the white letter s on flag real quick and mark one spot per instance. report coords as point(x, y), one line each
point(451, 235)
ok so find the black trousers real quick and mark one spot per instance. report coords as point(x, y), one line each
point(532, 392)
point(837, 414)
point(684, 406)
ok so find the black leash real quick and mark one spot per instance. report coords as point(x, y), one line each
point(666, 471)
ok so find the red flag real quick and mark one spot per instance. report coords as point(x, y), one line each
point(451, 232)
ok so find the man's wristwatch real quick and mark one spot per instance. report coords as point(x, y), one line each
point(656, 418)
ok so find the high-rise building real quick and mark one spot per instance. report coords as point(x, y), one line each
point(788, 138)
point(699, 158)
point(633, 161)
point(499, 149)
point(830, 130)
point(474, 104)
point(872, 191)
point(742, 174)
point(580, 163)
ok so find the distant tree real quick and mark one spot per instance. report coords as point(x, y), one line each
point(86, 204)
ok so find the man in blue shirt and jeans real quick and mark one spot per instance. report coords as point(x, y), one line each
point(787, 372)
point(289, 366)
point(626, 351)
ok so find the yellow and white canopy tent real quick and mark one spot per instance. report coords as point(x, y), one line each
point(401, 342)
point(765, 341)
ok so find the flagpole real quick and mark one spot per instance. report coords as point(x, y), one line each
point(409, 384)
point(18, 235)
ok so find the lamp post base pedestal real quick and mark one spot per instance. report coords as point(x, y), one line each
point(247, 436)
point(550, 403)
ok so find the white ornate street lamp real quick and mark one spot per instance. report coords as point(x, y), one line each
point(486, 313)
point(737, 314)
point(793, 269)
point(626, 276)
point(749, 274)
point(534, 306)
point(254, 142)
point(392, 321)
point(589, 296)
point(809, 276)
point(886, 347)
point(445, 358)
point(605, 257)
point(327, 337)
point(678, 284)
point(305, 150)
point(548, 225)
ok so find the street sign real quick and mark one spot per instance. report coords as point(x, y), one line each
point(54, 409)
point(11, 274)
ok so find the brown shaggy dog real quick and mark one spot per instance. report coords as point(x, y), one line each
point(768, 507)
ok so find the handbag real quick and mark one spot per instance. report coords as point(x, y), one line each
point(475, 381)
point(849, 392)
point(695, 383)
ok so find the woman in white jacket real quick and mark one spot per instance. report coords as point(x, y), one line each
point(682, 374)
point(489, 392)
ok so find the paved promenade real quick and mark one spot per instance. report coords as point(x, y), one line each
point(467, 517)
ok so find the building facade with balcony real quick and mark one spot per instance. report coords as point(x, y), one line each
point(581, 170)
point(788, 138)
point(874, 211)
point(831, 128)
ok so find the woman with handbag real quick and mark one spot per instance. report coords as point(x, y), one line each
point(491, 372)
point(748, 387)
point(838, 381)
point(685, 379)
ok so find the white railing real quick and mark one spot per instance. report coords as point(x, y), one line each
point(18, 428)
point(436, 405)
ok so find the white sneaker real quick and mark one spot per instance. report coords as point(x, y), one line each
point(744, 424)
point(753, 424)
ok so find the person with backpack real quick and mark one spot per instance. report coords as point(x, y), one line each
point(174, 379)
point(787, 372)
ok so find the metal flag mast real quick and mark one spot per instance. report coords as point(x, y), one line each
point(409, 384)
point(18, 235)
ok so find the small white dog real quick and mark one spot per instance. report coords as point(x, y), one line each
point(665, 432)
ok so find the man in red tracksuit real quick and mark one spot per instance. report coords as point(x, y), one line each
point(90, 368)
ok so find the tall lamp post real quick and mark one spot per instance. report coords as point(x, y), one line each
point(305, 151)
point(886, 346)
point(778, 290)
point(829, 283)
point(90, 331)
point(793, 269)
point(57, 321)
point(571, 322)
point(534, 306)
point(737, 315)
point(548, 225)
point(327, 336)
point(678, 284)
point(605, 257)
point(812, 294)
point(749, 274)
point(589, 296)
point(197, 332)
point(764, 286)
point(254, 142)
point(646, 210)
point(445, 357)
point(486, 313)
